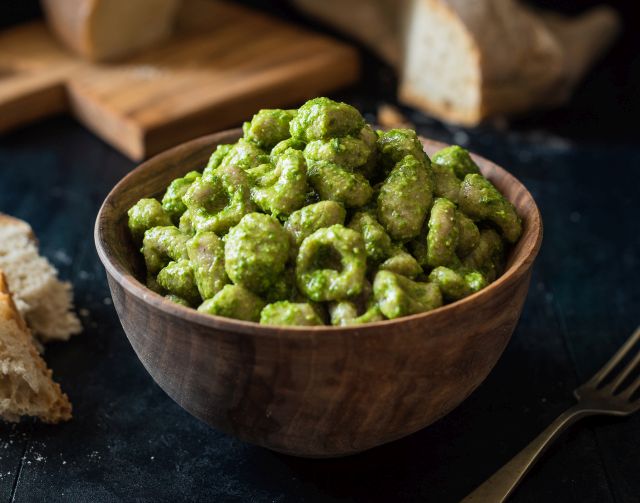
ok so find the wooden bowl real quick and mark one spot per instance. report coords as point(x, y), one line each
point(310, 391)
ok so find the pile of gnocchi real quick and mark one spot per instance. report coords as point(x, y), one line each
point(315, 218)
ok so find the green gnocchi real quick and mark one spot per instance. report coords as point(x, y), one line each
point(314, 218)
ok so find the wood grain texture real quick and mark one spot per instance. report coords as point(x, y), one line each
point(224, 63)
point(321, 391)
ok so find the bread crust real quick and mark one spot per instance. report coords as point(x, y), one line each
point(7, 220)
point(8, 308)
point(465, 117)
point(71, 24)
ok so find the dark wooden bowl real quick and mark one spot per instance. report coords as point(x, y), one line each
point(310, 391)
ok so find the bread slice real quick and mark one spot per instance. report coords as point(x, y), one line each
point(26, 386)
point(45, 302)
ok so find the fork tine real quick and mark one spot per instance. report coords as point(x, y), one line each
point(615, 359)
point(632, 389)
point(625, 372)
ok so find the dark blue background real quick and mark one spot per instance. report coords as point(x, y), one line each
point(129, 441)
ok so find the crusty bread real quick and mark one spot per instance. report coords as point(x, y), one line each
point(109, 29)
point(44, 301)
point(26, 386)
point(466, 61)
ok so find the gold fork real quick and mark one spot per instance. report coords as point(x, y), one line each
point(615, 397)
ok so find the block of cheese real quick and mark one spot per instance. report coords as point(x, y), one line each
point(102, 30)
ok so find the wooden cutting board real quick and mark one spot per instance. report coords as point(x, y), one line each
point(224, 63)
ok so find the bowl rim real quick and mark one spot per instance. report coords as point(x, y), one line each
point(130, 283)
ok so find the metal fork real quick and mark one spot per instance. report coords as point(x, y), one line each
point(615, 397)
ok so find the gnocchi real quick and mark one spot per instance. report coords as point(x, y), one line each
point(315, 218)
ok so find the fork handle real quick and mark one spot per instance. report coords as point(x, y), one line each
point(501, 484)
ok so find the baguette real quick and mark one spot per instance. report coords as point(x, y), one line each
point(26, 384)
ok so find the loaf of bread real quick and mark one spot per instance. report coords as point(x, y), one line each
point(26, 384)
point(464, 61)
point(43, 300)
point(101, 30)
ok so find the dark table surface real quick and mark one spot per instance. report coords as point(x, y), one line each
point(129, 441)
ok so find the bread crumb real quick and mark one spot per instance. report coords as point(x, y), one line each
point(84, 275)
point(460, 138)
point(62, 257)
